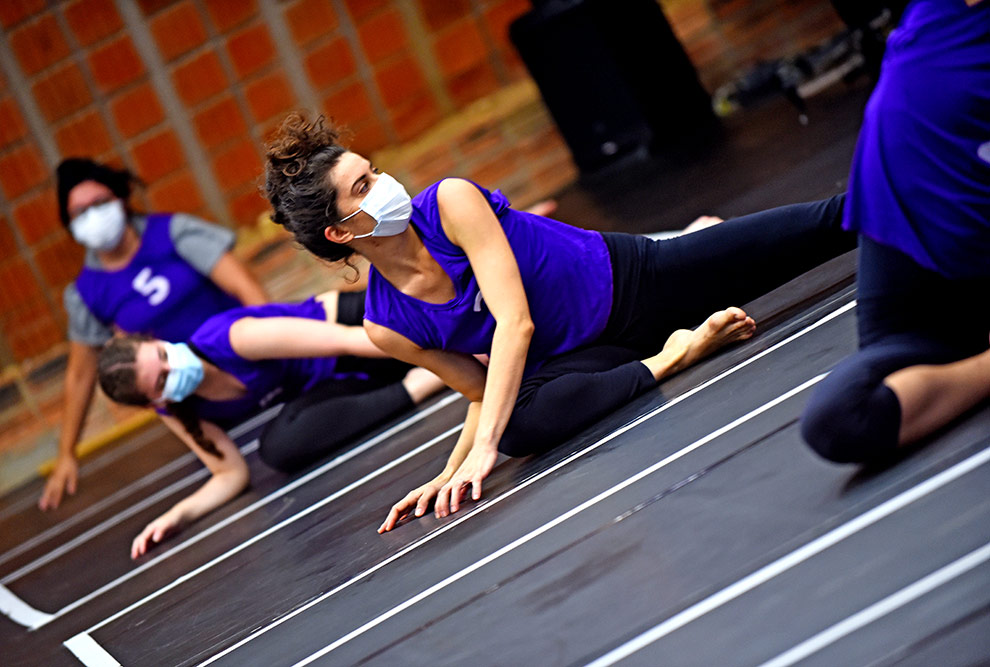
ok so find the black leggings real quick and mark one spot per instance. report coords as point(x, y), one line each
point(335, 412)
point(661, 286)
point(906, 316)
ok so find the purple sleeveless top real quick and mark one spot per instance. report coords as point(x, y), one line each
point(158, 293)
point(268, 381)
point(920, 180)
point(565, 271)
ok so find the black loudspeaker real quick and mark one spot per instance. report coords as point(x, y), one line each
point(614, 77)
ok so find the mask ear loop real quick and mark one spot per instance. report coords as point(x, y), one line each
point(326, 213)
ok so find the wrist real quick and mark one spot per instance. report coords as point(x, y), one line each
point(486, 445)
point(66, 455)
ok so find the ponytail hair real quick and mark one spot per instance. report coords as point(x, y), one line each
point(118, 379)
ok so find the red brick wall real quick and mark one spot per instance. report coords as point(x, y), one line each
point(183, 92)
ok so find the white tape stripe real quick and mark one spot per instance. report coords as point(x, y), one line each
point(121, 516)
point(19, 611)
point(259, 419)
point(792, 559)
point(90, 653)
point(512, 546)
point(133, 487)
point(91, 466)
point(329, 465)
point(486, 505)
point(881, 608)
point(257, 538)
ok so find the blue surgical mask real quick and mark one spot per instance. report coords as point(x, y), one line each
point(185, 372)
point(388, 204)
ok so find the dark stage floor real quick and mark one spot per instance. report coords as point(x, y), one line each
point(692, 527)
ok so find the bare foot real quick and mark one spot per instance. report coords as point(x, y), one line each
point(702, 222)
point(420, 384)
point(544, 207)
point(686, 347)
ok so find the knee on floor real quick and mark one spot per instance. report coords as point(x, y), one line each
point(851, 428)
point(273, 454)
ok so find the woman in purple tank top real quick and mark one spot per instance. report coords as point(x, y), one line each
point(335, 383)
point(573, 323)
point(160, 275)
point(919, 197)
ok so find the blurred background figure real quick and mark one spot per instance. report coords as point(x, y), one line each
point(315, 356)
point(161, 275)
point(919, 197)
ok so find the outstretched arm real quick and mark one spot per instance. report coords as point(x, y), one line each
point(259, 338)
point(229, 477)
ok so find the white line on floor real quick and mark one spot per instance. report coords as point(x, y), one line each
point(90, 467)
point(86, 470)
point(135, 486)
point(112, 521)
point(486, 505)
point(20, 612)
point(512, 546)
point(882, 607)
point(90, 653)
point(273, 529)
point(792, 559)
point(337, 461)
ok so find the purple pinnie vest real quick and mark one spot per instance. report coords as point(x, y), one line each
point(158, 293)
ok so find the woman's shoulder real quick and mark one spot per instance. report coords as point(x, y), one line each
point(447, 193)
point(448, 188)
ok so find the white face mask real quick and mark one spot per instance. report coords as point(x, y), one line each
point(100, 227)
point(388, 204)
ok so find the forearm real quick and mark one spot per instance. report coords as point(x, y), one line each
point(464, 442)
point(233, 277)
point(510, 345)
point(80, 380)
point(251, 293)
point(220, 489)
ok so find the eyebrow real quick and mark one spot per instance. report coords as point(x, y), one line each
point(362, 177)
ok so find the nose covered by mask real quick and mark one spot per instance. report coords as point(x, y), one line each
point(100, 227)
point(185, 372)
point(390, 206)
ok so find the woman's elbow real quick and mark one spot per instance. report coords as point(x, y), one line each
point(523, 327)
point(238, 476)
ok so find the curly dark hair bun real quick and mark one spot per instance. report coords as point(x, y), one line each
point(299, 158)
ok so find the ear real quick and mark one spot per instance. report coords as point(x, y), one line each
point(338, 234)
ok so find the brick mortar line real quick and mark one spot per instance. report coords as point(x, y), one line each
point(420, 38)
point(175, 114)
point(20, 90)
point(218, 42)
point(366, 72)
point(492, 45)
point(99, 99)
point(290, 56)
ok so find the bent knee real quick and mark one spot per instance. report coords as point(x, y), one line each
point(273, 455)
point(829, 439)
point(850, 428)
